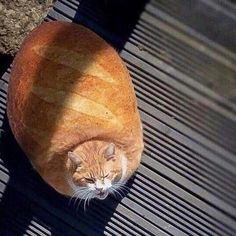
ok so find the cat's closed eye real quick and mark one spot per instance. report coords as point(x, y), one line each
point(105, 176)
point(90, 180)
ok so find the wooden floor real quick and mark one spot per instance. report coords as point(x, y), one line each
point(182, 58)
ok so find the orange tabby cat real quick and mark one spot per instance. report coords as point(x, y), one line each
point(72, 109)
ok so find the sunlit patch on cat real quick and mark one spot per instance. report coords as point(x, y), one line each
point(96, 169)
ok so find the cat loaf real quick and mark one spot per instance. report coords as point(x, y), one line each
point(72, 109)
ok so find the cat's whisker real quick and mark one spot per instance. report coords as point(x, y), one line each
point(87, 200)
point(72, 198)
point(80, 193)
point(125, 190)
point(76, 193)
point(83, 197)
point(112, 192)
point(90, 197)
point(116, 186)
point(84, 205)
point(122, 192)
point(121, 187)
point(76, 199)
point(116, 191)
point(124, 187)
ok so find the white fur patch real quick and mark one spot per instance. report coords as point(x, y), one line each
point(103, 185)
point(92, 186)
point(124, 167)
point(107, 184)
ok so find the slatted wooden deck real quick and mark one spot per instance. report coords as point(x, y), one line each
point(182, 59)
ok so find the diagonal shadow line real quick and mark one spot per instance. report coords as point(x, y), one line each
point(26, 199)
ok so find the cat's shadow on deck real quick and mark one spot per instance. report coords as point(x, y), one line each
point(27, 203)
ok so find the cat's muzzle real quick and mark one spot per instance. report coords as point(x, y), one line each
point(101, 195)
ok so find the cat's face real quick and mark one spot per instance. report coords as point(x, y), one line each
point(99, 168)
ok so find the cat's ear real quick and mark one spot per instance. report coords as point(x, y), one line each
point(110, 151)
point(74, 158)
